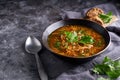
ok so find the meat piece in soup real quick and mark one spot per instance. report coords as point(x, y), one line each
point(76, 41)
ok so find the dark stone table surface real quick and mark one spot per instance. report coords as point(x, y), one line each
point(21, 18)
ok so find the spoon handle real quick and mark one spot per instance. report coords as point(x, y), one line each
point(41, 71)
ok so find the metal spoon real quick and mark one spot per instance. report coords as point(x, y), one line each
point(33, 46)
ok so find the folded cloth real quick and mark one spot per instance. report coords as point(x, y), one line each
point(82, 72)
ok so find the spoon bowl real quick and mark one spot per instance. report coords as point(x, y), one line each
point(32, 45)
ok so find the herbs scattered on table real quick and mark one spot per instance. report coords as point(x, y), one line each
point(106, 18)
point(108, 67)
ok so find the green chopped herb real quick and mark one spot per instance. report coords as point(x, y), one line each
point(57, 44)
point(71, 36)
point(106, 17)
point(86, 40)
point(108, 67)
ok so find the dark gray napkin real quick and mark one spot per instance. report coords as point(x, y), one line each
point(82, 72)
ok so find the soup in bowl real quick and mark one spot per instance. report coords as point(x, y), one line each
point(76, 38)
point(76, 41)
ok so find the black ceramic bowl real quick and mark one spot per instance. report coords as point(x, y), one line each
point(100, 29)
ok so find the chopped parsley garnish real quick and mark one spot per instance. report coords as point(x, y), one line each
point(86, 40)
point(57, 44)
point(106, 18)
point(71, 36)
point(108, 67)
